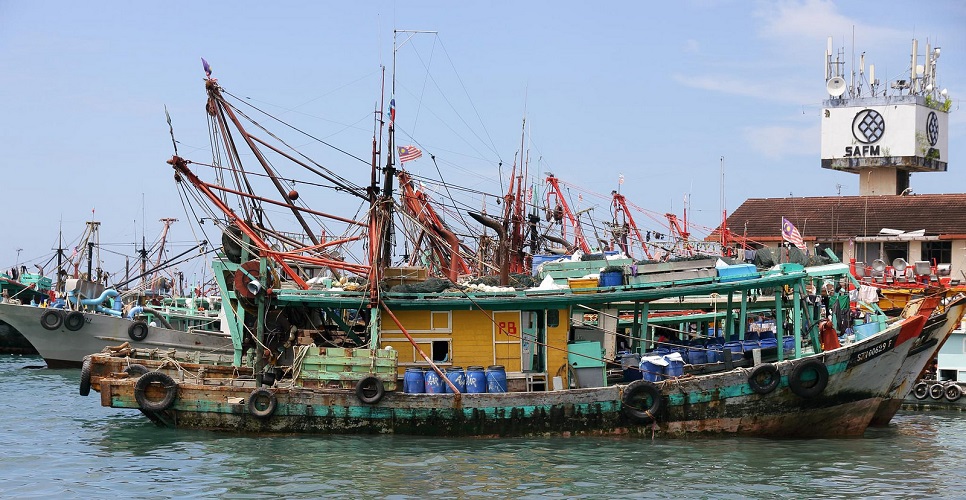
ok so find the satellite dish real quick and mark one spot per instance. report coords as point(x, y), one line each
point(900, 264)
point(878, 265)
point(835, 86)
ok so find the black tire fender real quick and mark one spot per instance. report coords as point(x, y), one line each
point(145, 381)
point(52, 319)
point(85, 377)
point(136, 370)
point(921, 390)
point(74, 321)
point(764, 378)
point(138, 331)
point(370, 390)
point(641, 401)
point(262, 403)
point(953, 392)
point(937, 391)
point(814, 387)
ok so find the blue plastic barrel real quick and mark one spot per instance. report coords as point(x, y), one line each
point(651, 372)
point(714, 353)
point(749, 345)
point(674, 368)
point(734, 347)
point(414, 381)
point(788, 343)
point(697, 356)
point(434, 384)
point(769, 343)
point(475, 379)
point(630, 366)
point(612, 278)
point(495, 378)
point(457, 376)
point(766, 334)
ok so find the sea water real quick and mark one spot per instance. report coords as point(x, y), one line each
point(56, 443)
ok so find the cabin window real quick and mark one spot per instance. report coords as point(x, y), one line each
point(553, 318)
point(939, 252)
point(440, 351)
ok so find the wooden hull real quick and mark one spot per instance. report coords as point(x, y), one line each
point(62, 348)
point(860, 378)
point(935, 332)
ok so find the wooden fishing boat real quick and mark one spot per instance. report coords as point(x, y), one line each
point(356, 390)
point(945, 317)
point(361, 358)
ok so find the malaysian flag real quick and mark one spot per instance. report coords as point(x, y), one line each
point(392, 111)
point(408, 153)
point(791, 234)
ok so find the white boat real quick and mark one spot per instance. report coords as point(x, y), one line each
point(63, 337)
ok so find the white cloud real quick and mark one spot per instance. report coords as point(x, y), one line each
point(805, 24)
point(789, 93)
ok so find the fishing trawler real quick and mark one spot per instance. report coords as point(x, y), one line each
point(432, 356)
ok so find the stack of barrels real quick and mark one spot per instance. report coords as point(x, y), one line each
point(472, 380)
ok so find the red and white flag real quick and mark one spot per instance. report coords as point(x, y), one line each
point(408, 153)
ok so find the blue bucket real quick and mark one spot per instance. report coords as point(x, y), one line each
point(475, 379)
point(651, 372)
point(674, 368)
point(457, 376)
point(414, 382)
point(495, 378)
point(433, 383)
point(611, 278)
point(697, 356)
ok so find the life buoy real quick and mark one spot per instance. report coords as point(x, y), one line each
point(135, 370)
point(74, 321)
point(51, 319)
point(921, 390)
point(953, 392)
point(764, 378)
point(812, 386)
point(262, 403)
point(138, 331)
point(167, 383)
point(641, 401)
point(370, 390)
point(937, 391)
point(85, 380)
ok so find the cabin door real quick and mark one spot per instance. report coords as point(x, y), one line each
point(507, 347)
point(533, 341)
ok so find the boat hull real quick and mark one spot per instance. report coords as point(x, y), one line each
point(860, 377)
point(63, 348)
point(935, 332)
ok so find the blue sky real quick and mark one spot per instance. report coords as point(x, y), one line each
point(658, 92)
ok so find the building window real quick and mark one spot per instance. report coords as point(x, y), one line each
point(892, 250)
point(837, 249)
point(939, 252)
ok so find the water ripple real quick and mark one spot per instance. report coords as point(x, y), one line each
point(56, 443)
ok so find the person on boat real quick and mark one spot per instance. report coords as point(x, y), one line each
point(827, 335)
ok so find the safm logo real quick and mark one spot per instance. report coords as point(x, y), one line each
point(868, 126)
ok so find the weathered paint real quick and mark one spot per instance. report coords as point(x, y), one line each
point(938, 328)
point(719, 403)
